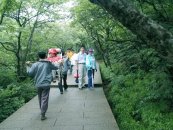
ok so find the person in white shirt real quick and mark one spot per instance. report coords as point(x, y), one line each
point(81, 67)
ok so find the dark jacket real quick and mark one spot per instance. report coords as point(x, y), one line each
point(41, 71)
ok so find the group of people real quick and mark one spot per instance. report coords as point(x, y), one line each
point(85, 64)
point(82, 63)
point(44, 72)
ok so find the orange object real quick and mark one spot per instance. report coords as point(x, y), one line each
point(69, 54)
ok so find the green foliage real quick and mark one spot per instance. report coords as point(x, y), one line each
point(138, 82)
point(107, 34)
point(140, 100)
point(28, 27)
point(6, 78)
point(14, 96)
point(107, 73)
point(7, 5)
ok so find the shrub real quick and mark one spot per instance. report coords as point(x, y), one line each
point(140, 100)
point(14, 96)
point(6, 78)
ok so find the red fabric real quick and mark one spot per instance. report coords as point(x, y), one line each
point(52, 51)
point(54, 59)
point(76, 75)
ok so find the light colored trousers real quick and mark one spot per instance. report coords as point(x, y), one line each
point(54, 74)
point(82, 75)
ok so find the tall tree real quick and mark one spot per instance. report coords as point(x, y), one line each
point(145, 28)
point(5, 7)
point(102, 28)
point(18, 28)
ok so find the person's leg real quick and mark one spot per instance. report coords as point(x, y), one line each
point(65, 81)
point(44, 102)
point(93, 70)
point(80, 72)
point(83, 75)
point(60, 85)
point(89, 78)
point(71, 68)
point(74, 69)
point(54, 75)
point(39, 92)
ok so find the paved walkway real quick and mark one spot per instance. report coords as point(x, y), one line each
point(74, 110)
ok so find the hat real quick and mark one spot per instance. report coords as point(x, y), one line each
point(91, 50)
point(58, 50)
point(52, 51)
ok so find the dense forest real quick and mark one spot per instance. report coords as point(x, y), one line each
point(132, 40)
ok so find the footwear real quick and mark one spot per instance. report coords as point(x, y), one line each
point(54, 81)
point(92, 88)
point(61, 92)
point(43, 117)
point(65, 88)
point(84, 86)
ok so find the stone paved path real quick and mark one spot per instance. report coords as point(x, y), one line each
point(74, 110)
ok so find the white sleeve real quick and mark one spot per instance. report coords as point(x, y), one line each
point(76, 58)
point(27, 69)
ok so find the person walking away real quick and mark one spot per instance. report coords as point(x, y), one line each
point(41, 71)
point(91, 67)
point(57, 60)
point(81, 67)
point(54, 59)
point(63, 77)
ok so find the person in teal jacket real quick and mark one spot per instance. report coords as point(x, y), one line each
point(91, 67)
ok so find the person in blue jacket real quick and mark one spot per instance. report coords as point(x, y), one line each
point(41, 71)
point(64, 70)
point(91, 67)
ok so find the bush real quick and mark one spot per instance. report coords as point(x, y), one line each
point(14, 96)
point(6, 78)
point(25, 90)
point(140, 100)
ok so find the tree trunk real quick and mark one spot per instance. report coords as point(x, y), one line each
point(145, 28)
point(18, 55)
point(29, 44)
point(2, 17)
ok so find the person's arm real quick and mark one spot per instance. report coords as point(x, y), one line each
point(88, 64)
point(54, 65)
point(68, 62)
point(31, 69)
point(95, 66)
